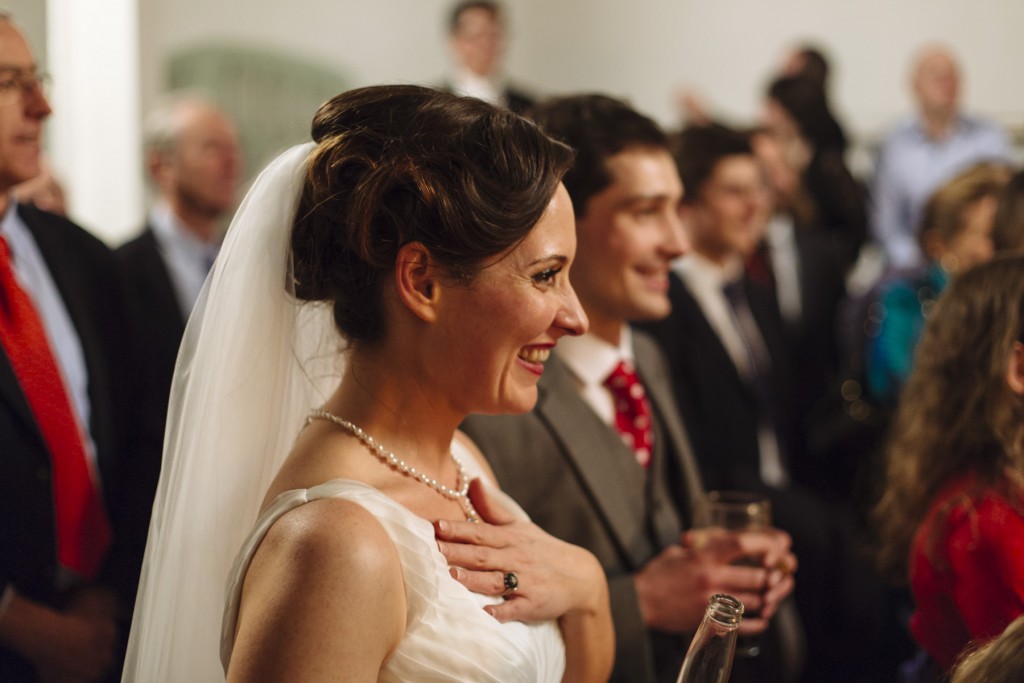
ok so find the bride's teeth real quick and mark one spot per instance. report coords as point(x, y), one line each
point(535, 355)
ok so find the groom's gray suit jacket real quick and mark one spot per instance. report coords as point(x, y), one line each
point(577, 480)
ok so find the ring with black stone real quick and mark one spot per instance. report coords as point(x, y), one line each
point(511, 582)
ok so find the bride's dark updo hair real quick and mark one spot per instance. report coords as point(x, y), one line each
point(400, 164)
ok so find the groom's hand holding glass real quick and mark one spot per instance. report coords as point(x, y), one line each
point(674, 587)
point(737, 519)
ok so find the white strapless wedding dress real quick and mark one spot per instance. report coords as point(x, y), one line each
point(449, 637)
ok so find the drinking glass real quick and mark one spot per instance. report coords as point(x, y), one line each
point(738, 511)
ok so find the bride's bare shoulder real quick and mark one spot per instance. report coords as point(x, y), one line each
point(325, 567)
point(336, 531)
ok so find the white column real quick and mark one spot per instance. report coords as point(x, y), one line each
point(93, 54)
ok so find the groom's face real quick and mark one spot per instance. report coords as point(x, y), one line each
point(629, 234)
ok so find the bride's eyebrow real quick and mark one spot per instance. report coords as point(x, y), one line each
point(559, 258)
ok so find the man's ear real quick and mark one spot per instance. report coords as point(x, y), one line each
point(416, 280)
point(153, 163)
point(1015, 369)
point(159, 168)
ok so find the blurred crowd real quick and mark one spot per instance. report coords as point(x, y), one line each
point(851, 348)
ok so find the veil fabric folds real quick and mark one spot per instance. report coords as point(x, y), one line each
point(253, 362)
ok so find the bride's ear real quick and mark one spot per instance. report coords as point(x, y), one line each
point(1015, 369)
point(417, 280)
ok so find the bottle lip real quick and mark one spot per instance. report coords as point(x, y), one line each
point(725, 609)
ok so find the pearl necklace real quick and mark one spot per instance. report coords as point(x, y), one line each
point(458, 494)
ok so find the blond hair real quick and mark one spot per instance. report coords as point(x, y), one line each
point(943, 215)
point(1000, 660)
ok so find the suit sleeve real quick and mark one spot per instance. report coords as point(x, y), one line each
point(633, 652)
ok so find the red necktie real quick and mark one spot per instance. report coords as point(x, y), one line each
point(83, 531)
point(632, 411)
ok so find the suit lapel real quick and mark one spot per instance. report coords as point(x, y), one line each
point(706, 340)
point(154, 269)
point(656, 378)
point(606, 467)
point(11, 393)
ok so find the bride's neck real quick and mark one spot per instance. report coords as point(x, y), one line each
point(392, 405)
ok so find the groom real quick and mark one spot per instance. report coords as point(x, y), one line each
point(604, 460)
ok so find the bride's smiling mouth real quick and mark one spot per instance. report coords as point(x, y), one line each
point(532, 358)
point(535, 354)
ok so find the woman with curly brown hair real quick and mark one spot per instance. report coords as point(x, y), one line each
point(952, 514)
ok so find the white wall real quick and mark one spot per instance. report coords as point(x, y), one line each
point(31, 15)
point(95, 126)
point(644, 50)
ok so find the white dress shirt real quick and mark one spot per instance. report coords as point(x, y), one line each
point(705, 280)
point(785, 261)
point(469, 84)
point(591, 360)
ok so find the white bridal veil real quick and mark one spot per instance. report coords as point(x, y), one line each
point(252, 364)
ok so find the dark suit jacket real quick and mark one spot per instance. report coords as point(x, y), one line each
point(720, 406)
point(87, 278)
point(158, 325)
point(575, 478)
point(518, 101)
point(159, 319)
point(815, 343)
point(722, 414)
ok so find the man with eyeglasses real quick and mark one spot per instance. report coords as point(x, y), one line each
point(63, 410)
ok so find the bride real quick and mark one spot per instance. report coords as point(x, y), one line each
point(434, 234)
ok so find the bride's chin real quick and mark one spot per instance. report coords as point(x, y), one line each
point(520, 404)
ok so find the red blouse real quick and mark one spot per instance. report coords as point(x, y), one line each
point(977, 587)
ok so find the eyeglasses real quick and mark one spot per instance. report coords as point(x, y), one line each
point(16, 82)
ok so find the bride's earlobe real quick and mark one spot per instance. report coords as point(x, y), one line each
point(416, 280)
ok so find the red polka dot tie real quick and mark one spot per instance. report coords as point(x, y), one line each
point(83, 531)
point(632, 411)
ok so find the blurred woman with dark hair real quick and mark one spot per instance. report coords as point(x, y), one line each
point(797, 113)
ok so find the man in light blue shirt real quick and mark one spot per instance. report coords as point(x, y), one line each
point(923, 152)
point(194, 161)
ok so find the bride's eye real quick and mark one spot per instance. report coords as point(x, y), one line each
point(546, 276)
